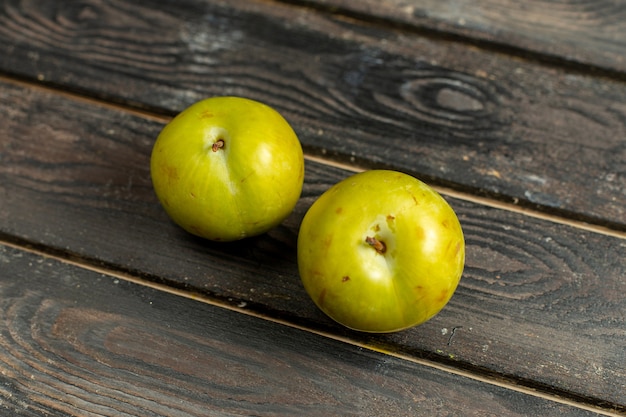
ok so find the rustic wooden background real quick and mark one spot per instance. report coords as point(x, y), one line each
point(515, 110)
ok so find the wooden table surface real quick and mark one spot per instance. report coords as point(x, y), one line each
point(515, 111)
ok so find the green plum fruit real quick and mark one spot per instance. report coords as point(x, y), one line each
point(380, 251)
point(227, 168)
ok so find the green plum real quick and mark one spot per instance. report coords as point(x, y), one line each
point(227, 168)
point(381, 251)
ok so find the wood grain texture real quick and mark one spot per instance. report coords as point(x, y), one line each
point(80, 343)
point(585, 32)
point(454, 115)
point(540, 303)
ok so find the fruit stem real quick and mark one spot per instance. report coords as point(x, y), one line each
point(217, 145)
point(376, 244)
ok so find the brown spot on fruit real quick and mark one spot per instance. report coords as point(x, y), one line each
point(445, 224)
point(345, 279)
point(195, 229)
point(171, 173)
point(244, 179)
point(390, 217)
point(320, 299)
point(206, 115)
point(443, 296)
point(338, 210)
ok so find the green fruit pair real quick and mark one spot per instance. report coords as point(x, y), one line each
point(380, 251)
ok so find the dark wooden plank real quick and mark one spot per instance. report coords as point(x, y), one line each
point(459, 116)
point(539, 303)
point(76, 342)
point(588, 33)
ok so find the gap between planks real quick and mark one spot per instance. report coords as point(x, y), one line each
point(460, 195)
point(242, 310)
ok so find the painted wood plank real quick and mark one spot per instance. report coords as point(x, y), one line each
point(76, 342)
point(539, 303)
point(475, 120)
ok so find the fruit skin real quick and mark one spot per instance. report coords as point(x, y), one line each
point(243, 188)
point(366, 290)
